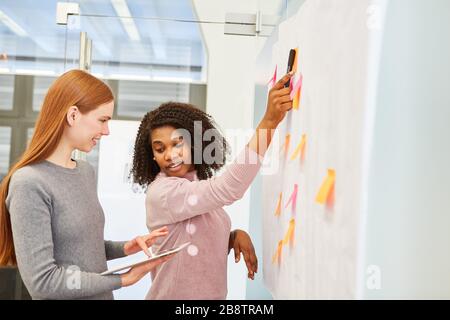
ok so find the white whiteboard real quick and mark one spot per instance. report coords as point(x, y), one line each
point(335, 50)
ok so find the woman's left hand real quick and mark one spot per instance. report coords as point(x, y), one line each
point(141, 243)
point(243, 243)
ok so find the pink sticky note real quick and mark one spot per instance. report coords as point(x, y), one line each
point(297, 86)
point(293, 200)
point(273, 80)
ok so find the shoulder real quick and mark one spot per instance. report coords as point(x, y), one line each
point(29, 175)
point(27, 181)
point(158, 190)
point(162, 183)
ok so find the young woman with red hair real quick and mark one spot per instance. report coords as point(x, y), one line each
point(51, 222)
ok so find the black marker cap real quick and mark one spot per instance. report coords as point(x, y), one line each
point(290, 66)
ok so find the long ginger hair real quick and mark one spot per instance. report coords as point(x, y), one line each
point(73, 88)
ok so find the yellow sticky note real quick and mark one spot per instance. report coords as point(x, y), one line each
point(296, 93)
point(289, 237)
point(295, 104)
point(277, 256)
point(280, 250)
point(278, 209)
point(285, 147)
point(326, 187)
point(300, 148)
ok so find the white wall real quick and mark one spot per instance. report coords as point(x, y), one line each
point(230, 94)
point(408, 206)
point(124, 209)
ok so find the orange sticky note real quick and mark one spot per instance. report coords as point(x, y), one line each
point(326, 187)
point(300, 148)
point(285, 146)
point(278, 209)
point(289, 237)
point(296, 93)
point(287, 141)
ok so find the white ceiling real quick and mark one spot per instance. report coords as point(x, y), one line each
point(162, 44)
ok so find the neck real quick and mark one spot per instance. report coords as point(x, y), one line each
point(62, 155)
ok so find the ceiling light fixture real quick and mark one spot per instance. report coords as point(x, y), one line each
point(124, 14)
point(12, 25)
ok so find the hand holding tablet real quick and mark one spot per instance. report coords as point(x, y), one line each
point(154, 257)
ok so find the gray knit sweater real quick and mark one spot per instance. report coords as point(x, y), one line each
point(58, 228)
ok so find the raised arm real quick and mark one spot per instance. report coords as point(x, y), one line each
point(172, 199)
point(278, 104)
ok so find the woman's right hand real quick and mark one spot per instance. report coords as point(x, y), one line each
point(278, 103)
point(137, 273)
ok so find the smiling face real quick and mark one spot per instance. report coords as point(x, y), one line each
point(172, 153)
point(85, 130)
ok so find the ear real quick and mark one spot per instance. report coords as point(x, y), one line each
point(72, 115)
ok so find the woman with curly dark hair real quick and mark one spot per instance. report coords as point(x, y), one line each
point(177, 150)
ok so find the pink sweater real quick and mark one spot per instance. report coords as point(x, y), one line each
point(192, 210)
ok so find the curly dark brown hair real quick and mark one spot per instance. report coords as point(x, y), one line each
point(180, 116)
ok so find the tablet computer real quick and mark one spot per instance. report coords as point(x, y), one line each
point(159, 254)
